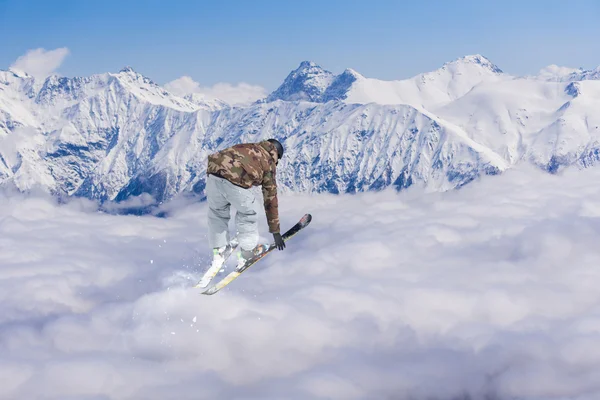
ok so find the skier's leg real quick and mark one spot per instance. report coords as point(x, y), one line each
point(218, 212)
point(246, 217)
point(246, 223)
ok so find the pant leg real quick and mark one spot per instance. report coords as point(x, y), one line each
point(218, 212)
point(246, 217)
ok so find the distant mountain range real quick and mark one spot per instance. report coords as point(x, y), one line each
point(116, 135)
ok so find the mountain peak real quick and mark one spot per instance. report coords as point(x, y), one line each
point(308, 68)
point(341, 85)
point(307, 64)
point(476, 59)
point(307, 82)
point(352, 72)
point(128, 74)
point(18, 73)
point(127, 70)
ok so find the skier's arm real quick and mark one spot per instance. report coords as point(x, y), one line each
point(269, 190)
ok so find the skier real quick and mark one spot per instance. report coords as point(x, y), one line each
point(230, 175)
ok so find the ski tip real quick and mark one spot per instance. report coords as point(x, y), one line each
point(305, 220)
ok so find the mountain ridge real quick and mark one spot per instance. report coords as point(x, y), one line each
point(115, 135)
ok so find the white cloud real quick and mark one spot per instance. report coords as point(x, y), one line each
point(555, 71)
point(183, 86)
point(240, 94)
point(41, 63)
point(490, 291)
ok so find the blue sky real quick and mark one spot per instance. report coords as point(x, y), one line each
point(259, 42)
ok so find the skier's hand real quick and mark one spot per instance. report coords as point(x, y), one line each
point(279, 243)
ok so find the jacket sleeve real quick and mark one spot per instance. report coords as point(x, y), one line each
point(269, 190)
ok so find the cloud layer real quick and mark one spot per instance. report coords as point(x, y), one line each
point(240, 94)
point(488, 292)
point(41, 63)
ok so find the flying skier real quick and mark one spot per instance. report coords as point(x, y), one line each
point(230, 175)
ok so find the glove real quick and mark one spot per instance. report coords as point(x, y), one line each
point(279, 243)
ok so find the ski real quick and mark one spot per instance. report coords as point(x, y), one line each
point(303, 223)
point(214, 270)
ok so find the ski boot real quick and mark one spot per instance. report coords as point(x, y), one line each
point(245, 255)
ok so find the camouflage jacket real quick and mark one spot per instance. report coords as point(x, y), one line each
point(247, 165)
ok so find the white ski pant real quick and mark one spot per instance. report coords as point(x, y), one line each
point(221, 195)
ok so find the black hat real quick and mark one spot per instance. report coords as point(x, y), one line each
point(278, 146)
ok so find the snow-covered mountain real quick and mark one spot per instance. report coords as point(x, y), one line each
point(548, 123)
point(206, 102)
point(309, 82)
point(112, 136)
point(563, 74)
point(453, 80)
